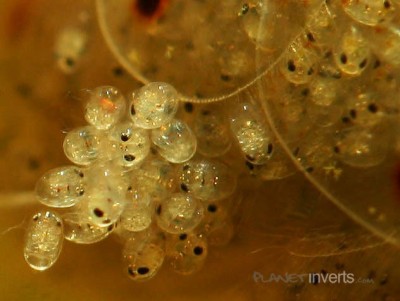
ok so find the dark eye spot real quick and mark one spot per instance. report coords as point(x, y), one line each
point(353, 113)
point(184, 187)
point(336, 149)
point(310, 169)
point(69, 62)
point(143, 270)
point(183, 236)
point(225, 77)
point(159, 210)
point(129, 158)
point(310, 37)
point(363, 64)
point(387, 4)
point(124, 137)
point(147, 8)
point(270, 148)
point(118, 71)
point(291, 66)
point(133, 112)
point(212, 208)
point(310, 71)
point(188, 107)
point(373, 108)
point(98, 212)
point(198, 251)
point(343, 58)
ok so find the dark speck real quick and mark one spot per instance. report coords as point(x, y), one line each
point(373, 108)
point(147, 7)
point(129, 158)
point(291, 66)
point(98, 212)
point(225, 77)
point(212, 208)
point(183, 236)
point(363, 64)
point(184, 187)
point(343, 58)
point(198, 250)
point(118, 71)
point(188, 107)
point(143, 270)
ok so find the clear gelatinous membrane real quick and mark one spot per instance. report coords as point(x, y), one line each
point(369, 12)
point(143, 258)
point(153, 105)
point(353, 54)
point(61, 187)
point(212, 133)
point(175, 141)
point(43, 242)
point(251, 133)
point(69, 46)
point(363, 147)
point(207, 180)
point(130, 145)
point(83, 145)
point(78, 229)
point(105, 107)
point(179, 213)
point(298, 64)
point(188, 253)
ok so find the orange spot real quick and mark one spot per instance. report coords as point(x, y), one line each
point(108, 105)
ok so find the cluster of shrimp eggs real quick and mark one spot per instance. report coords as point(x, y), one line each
point(142, 174)
point(165, 187)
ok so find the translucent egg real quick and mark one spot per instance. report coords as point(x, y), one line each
point(323, 91)
point(175, 141)
point(83, 145)
point(216, 224)
point(352, 55)
point(61, 187)
point(251, 133)
point(105, 107)
point(179, 213)
point(153, 105)
point(69, 46)
point(363, 147)
point(207, 180)
point(106, 195)
point(369, 12)
point(298, 64)
point(188, 255)
point(130, 144)
point(364, 109)
point(138, 212)
point(43, 242)
point(78, 229)
point(212, 133)
point(143, 258)
point(156, 177)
